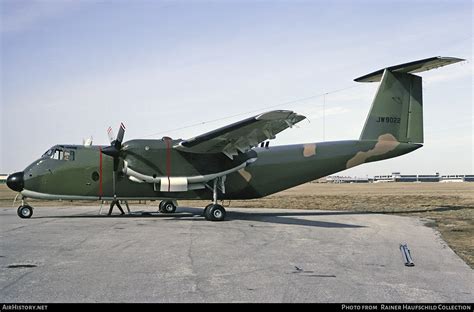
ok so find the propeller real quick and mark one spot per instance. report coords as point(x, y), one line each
point(114, 151)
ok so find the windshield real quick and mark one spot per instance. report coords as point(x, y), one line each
point(48, 153)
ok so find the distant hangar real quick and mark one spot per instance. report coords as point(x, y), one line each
point(397, 177)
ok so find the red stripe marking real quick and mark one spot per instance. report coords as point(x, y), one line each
point(100, 172)
point(168, 162)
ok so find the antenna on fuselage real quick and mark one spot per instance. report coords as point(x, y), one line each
point(87, 142)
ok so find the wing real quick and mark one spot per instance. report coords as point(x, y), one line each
point(243, 135)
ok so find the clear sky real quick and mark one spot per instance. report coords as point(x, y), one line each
point(69, 69)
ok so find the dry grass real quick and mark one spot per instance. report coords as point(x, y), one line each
point(448, 206)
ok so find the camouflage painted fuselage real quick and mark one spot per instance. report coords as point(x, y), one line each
point(89, 175)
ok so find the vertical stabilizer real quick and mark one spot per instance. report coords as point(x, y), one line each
point(397, 109)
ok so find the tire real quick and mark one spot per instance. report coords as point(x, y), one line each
point(168, 207)
point(160, 207)
point(215, 213)
point(25, 212)
point(206, 209)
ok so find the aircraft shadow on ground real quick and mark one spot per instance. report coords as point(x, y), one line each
point(287, 217)
point(291, 217)
point(195, 214)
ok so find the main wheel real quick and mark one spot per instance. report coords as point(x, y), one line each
point(167, 207)
point(160, 206)
point(206, 209)
point(25, 212)
point(215, 213)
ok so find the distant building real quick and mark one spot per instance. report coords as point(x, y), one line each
point(452, 178)
point(398, 177)
point(407, 178)
point(428, 177)
point(469, 178)
point(346, 179)
point(3, 178)
point(386, 178)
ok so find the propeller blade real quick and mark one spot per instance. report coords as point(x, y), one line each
point(110, 133)
point(115, 145)
point(121, 133)
point(114, 150)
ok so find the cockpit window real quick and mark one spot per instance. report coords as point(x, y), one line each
point(68, 155)
point(59, 154)
point(48, 153)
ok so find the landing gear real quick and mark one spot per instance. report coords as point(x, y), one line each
point(214, 212)
point(116, 202)
point(25, 211)
point(167, 206)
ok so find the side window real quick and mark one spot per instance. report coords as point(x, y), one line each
point(58, 154)
point(68, 155)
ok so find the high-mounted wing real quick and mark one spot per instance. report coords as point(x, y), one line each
point(242, 135)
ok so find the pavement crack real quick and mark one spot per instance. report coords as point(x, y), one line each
point(14, 282)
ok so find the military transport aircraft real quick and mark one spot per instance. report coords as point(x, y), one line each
point(232, 162)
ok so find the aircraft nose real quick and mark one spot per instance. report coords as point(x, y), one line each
point(16, 182)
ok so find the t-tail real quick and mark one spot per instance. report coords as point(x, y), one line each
point(397, 109)
point(394, 127)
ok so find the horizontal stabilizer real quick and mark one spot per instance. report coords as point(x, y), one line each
point(411, 67)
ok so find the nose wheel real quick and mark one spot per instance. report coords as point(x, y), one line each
point(25, 211)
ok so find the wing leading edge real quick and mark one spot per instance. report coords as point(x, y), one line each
point(242, 135)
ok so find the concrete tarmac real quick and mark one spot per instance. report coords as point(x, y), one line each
point(71, 254)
